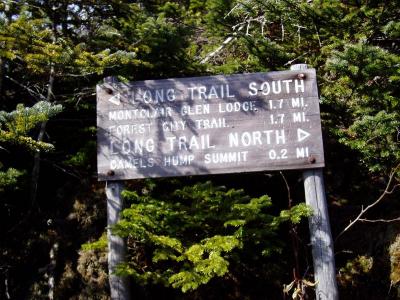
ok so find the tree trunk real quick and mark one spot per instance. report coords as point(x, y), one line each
point(36, 157)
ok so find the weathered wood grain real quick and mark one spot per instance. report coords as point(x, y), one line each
point(273, 116)
point(119, 287)
point(320, 236)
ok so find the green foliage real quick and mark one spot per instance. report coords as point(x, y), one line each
point(89, 62)
point(295, 214)
point(193, 234)
point(100, 244)
point(355, 270)
point(365, 81)
point(392, 29)
point(217, 14)
point(32, 38)
point(9, 178)
point(15, 125)
point(14, 129)
point(82, 158)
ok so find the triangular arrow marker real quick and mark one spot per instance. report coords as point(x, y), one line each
point(302, 135)
point(115, 99)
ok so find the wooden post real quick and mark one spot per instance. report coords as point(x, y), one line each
point(320, 231)
point(119, 286)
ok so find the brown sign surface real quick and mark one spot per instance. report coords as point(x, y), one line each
point(209, 125)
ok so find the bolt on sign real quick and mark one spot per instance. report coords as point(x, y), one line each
point(209, 125)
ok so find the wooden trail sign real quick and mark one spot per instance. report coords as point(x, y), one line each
point(212, 125)
point(209, 125)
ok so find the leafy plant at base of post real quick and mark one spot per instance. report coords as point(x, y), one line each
point(299, 288)
point(186, 238)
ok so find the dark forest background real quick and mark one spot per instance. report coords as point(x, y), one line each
point(236, 236)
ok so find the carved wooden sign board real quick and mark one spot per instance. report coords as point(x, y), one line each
point(209, 125)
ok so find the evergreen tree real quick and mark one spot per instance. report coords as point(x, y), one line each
point(14, 129)
point(199, 233)
point(55, 52)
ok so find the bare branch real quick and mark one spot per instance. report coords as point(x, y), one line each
point(388, 190)
point(297, 58)
point(263, 22)
point(36, 95)
point(237, 28)
point(64, 170)
point(380, 220)
point(299, 27)
point(316, 30)
point(287, 189)
point(248, 27)
point(6, 288)
point(224, 44)
point(79, 75)
point(231, 11)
